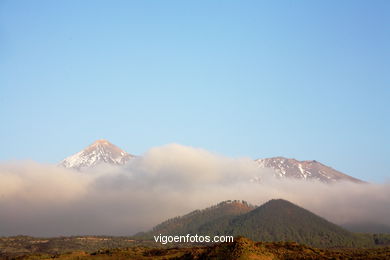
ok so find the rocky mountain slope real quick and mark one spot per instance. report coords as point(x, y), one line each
point(304, 170)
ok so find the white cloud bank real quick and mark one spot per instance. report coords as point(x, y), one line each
point(45, 200)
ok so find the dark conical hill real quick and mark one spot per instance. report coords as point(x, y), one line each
point(281, 220)
point(276, 220)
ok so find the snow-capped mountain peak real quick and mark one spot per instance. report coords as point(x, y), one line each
point(101, 151)
point(306, 170)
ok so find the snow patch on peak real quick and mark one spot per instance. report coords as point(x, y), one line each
point(100, 152)
point(304, 170)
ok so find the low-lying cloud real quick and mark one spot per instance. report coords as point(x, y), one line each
point(45, 200)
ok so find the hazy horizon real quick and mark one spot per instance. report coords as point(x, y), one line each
point(167, 181)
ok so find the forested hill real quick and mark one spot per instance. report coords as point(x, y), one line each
point(276, 220)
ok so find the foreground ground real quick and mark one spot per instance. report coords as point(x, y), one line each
point(241, 248)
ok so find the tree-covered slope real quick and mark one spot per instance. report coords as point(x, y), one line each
point(193, 222)
point(276, 220)
point(281, 220)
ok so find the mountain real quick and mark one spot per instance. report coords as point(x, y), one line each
point(100, 152)
point(281, 220)
point(306, 170)
point(276, 220)
point(104, 152)
point(200, 219)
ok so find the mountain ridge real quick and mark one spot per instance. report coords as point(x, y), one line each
point(306, 170)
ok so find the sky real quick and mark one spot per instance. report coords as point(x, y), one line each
point(301, 79)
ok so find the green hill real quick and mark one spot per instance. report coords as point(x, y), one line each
point(276, 220)
point(218, 216)
point(281, 220)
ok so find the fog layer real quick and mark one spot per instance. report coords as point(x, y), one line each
point(46, 200)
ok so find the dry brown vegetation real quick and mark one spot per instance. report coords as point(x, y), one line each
point(242, 248)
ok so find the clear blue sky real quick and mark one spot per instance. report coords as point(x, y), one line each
point(301, 79)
